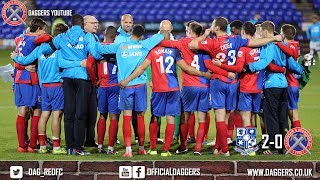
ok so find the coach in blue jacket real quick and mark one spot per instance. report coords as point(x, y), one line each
point(275, 107)
point(75, 45)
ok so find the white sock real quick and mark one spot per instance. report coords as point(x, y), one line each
point(128, 149)
point(141, 147)
point(110, 148)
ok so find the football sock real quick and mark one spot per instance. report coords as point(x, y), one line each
point(34, 131)
point(231, 124)
point(191, 124)
point(200, 135)
point(141, 130)
point(42, 141)
point(237, 120)
point(113, 131)
point(222, 129)
point(207, 123)
point(168, 137)
point(101, 130)
point(21, 130)
point(126, 129)
point(183, 135)
point(296, 123)
point(56, 143)
point(153, 131)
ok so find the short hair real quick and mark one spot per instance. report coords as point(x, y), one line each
point(60, 28)
point(249, 28)
point(110, 31)
point(289, 31)
point(315, 16)
point(77, 19)
point(237, 24)
point(37, 23)
point(189, 22)
point(196, 28)
point(269, 26)
point(138, 30)
point(222, 23)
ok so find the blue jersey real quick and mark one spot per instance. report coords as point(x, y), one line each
point(48, 65)
point(75, 44)
point(130, 55)
point(313, 32)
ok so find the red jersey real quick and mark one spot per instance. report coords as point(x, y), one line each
point(104, 71)
point(194, 59)
point(163, 68)
point(224, 48)
point(291, 49)
point(250, 82)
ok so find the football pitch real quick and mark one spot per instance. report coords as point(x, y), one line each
point(309, 113)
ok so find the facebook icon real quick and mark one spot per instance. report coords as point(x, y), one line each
point(138, 172)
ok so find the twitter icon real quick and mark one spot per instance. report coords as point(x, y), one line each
point(16, 172)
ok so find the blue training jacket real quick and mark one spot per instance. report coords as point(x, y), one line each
point(48, 66)
point(75, 45)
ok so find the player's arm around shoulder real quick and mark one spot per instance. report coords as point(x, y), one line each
point(266, 56)
point(25, 60)
point(137, 72)
point(194, 44)
point(192, 71)
point(152, 41)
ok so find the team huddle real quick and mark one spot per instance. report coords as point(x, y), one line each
point(73, 74)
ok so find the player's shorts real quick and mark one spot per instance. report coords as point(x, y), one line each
point(52, 98)
point(133, 98)
point(195, 98)
point(27, 95)
point(223, 95)
point(108, 99)
point(315, 45)
point(293, 97)
point(249, 102)
point(165, 103)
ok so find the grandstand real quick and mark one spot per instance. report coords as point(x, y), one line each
point(295, 12)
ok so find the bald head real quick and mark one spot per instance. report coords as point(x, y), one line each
point(166, 25)
point(126, 22)
point(91, 24)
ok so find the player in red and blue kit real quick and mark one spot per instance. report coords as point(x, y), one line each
point(195, 91)
point(223, 90)
point(27, 90)
point(108, 92)
point(165, 98)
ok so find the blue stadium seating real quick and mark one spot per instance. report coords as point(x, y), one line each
point(278, 11)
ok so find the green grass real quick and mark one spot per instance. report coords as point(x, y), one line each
point(309, 115)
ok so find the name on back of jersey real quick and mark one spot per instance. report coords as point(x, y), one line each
point(226, 46)
point(163, 51)
point(254, 51)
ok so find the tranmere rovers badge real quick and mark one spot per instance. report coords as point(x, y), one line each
point(246, 141)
